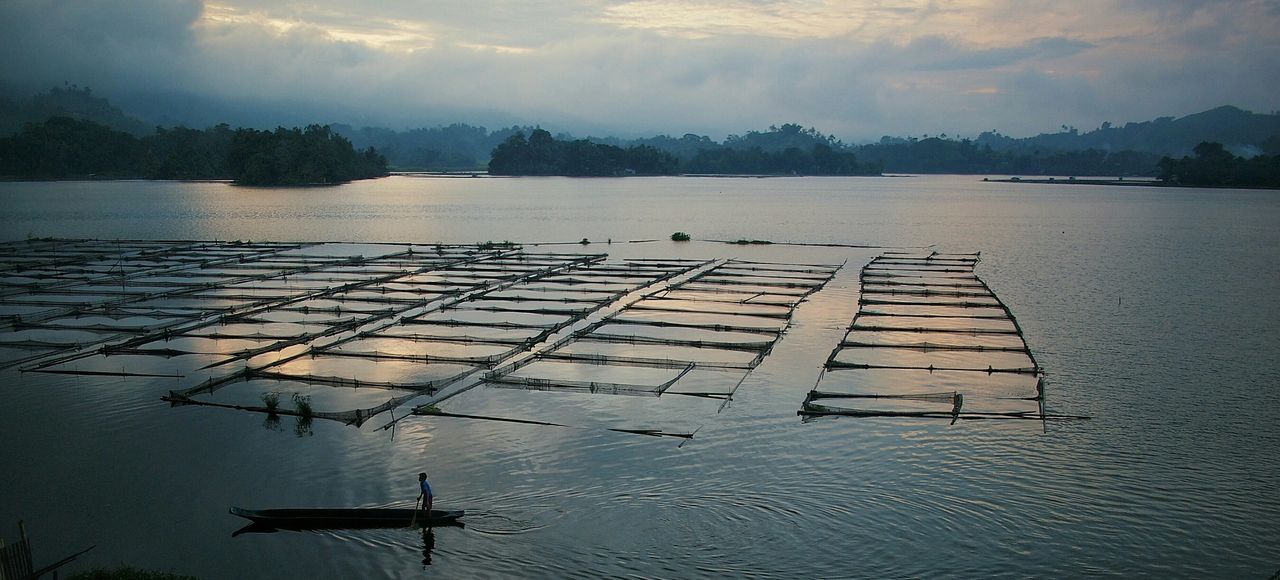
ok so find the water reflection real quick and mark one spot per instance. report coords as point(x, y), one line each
point(302, 427)
point(1182, 456)
point(428, 544)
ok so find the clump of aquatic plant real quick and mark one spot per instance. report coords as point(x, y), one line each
point(430, 410)
point(680, 237)
point(271, 401)
point(303, 402)
point(745, 242)
point(492, 245)
point(585, 241)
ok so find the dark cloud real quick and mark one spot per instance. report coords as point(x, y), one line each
point(106, 44)
point(856, 69)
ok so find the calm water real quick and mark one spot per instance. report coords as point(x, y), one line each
point(1152, 310)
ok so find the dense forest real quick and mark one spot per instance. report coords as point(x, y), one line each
point(1214, 166)
point(62, 147)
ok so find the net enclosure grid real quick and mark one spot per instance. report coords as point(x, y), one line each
point(347, 331)
point(930, 339)
point(722, 319)
point(697, 334)
point(255, 318)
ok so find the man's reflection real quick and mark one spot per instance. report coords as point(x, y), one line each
point(428, 544)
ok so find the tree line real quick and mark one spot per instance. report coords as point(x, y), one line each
point(543, 154)
point(1214, 166)
point(62, 147)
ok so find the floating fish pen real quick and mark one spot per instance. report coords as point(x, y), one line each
point(65, 295)
point(698, 335)
point(257, 319)
point(347, 331)
point(930, 339)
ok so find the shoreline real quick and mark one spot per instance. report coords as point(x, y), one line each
point(1119, 182)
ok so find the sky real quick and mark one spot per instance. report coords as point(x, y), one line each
point(857, 69)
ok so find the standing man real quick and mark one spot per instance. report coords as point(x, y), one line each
point(425, 496)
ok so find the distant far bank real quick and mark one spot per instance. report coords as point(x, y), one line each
point(1212, 166)
point(64, 147)
point(1121, 183)
point(1076, 181)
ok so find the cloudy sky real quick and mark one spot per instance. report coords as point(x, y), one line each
point(854, 68)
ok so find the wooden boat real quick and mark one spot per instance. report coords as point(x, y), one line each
point(337, 518)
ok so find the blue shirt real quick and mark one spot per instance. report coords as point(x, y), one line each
point(426, 489)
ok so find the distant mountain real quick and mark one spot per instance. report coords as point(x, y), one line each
point(1242, 132)
point(456, 147)
point(1131, 149)
point(71, 101)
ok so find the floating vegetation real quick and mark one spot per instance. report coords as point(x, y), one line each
point(680, 237)
point(303, 404)
point(271, 401)
point(746, 242)
point(930, 339)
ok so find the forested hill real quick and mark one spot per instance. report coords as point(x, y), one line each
point(1245, 133)
point(71, 101)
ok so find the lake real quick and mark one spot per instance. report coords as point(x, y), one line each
point(1151, 310)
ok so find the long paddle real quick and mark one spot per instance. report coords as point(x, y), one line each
point(413, 523)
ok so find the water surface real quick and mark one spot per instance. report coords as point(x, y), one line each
point(1151, 309)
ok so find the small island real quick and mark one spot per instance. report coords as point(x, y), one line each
point(63, 147)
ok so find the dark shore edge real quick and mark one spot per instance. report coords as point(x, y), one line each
point(92, 178)
point(1120, 182)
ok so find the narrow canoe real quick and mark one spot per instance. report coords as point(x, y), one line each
point(335, 518)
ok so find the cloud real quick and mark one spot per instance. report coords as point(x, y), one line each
point(938, 54)
point(856, 68)
point(105, 44)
